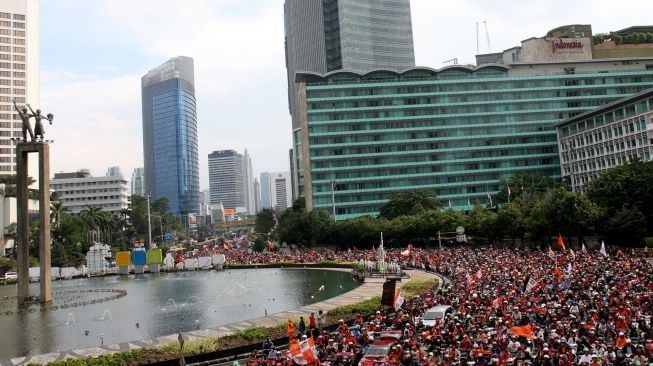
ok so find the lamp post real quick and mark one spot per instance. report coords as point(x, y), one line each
point(149, 224)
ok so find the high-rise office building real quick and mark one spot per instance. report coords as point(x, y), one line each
point(114, 171)
point(257, 195)
point(266, 195)
point(138, 182)
point(19, 71)
point(276, 190)
point(353, 35)
point(170, 146)
point(248, 182)
point(226, 179)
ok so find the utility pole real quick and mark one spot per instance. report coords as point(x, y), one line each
point(149, 225)
point(439, 240)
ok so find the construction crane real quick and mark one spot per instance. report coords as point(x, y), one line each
point(454, 60)
point(487, 36)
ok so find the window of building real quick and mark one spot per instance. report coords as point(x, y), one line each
point(19, 33)
point(5, 15)
point(19, 25)
point(19, 58)
point(19, 17)
point(19, 41)
point(4, 23)
point(19, 49)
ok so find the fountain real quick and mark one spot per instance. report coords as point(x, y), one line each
point(105, 313)
point(198, 301)
point(170, 301)
point(71, 319)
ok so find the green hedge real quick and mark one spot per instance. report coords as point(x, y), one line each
point(364, 307)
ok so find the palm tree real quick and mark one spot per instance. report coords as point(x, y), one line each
point(108, 223)
point(56, 210)
point(92, 216)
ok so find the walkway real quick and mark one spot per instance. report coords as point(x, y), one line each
point(370, 288)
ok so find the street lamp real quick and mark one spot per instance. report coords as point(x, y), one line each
point(149, 224)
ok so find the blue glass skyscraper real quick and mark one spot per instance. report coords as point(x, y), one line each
point(170, 135)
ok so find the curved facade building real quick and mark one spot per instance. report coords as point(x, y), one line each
point(170, 145)
point(455, 132)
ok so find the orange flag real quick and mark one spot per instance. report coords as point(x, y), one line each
point(225, 245)
point(561, 242)
point(523, 331)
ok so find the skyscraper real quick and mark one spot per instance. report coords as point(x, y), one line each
point(248, 182)
point(226, 179)
point(266, 195)
point(170, 135)
point(138, 182)
point(275, 190)
point(353, 35)
point(19, 71)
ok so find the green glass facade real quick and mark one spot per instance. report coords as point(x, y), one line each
point(455, 132)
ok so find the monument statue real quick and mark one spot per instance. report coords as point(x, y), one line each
point(27, 127)
point(38, 126)
point(39, 131)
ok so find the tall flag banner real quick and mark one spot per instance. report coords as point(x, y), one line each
point(531, 284)
point(561, 242)
point(552, 255)
point(469, 204)
point(399, 299)
point(573, 254)
point(509, 191)
point(569, 268)
point(304, 352)
point(449, 204)
point(583, 249)
point(388, 294)
point(192, 219)
point(603, 251)
point(489, 197)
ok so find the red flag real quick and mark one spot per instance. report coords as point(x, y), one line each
point(556, 272)
point(498, 302)
point(524, 331)
point(561, 242)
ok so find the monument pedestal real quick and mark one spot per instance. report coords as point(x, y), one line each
point(23, 149)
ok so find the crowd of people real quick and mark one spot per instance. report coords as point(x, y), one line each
point(510, 307)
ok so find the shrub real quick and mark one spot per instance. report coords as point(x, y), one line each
point(191, 347)
point(418, 286)
point(364, 307)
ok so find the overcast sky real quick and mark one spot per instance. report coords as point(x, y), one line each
point(93, 54)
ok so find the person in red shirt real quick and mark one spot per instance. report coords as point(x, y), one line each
point(312, 322)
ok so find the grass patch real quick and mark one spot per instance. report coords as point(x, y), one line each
point(253, 334)
point(418, 286)
point(120, 358)
point(192, 347)
point(364, 307)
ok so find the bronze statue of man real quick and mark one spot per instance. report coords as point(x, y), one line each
point(27, 127)
point(39, 131)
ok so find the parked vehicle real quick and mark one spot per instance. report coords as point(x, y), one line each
point(436, 312)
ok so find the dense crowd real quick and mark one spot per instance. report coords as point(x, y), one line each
point(511, 307)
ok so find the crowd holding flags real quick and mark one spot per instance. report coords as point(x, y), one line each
point(561, 242)
point(304, 352)
point(408, 251)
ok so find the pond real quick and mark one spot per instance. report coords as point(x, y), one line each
point(157, 304)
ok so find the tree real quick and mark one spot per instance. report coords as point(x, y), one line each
point(56, 210)
point(510, 221)
point(626, 227)
point(299, 204)
point(627, 185)
point(570, 213)
point(408, 204)
point(92, 217)
point(264, 222)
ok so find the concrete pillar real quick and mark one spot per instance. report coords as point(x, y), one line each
point(44, 228)
point(22, 244)
point(22, 157)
